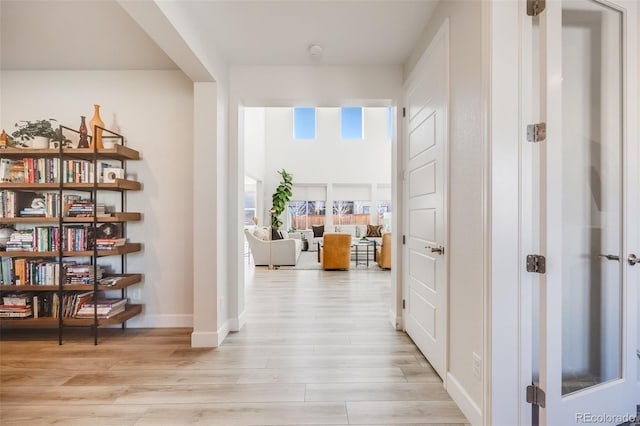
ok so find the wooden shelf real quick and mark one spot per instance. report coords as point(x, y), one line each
point(129, 312)
point(124, 249)
point(118, 185)
point(48, 322)
point(126, 281)
point(118, 152)
point(115, 217)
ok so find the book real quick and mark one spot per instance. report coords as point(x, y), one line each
point(15, 314)
point(105, 303)
point(110, 281)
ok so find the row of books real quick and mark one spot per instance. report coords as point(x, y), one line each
point(50, 170)
point(47, 304)
point(105, 308)
point(82, 274)
point(16, 306)
point(47, 204)
point(47, 238)
point(22, 271)
point(84, 208)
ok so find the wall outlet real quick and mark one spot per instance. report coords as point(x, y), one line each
point(476, 365)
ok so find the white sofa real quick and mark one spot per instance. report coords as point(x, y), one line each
point(276, 252)
point(356, 231)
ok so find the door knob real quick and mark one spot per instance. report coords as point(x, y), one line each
point(633, 260)
point(438, 250)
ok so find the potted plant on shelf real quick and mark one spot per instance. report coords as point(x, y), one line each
point(37, 134)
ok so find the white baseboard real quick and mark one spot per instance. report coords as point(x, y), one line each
point(161, 321)
point(396, 321)
point(237, 324)
point(208, 339)
point(222, 333)
point(460, 396)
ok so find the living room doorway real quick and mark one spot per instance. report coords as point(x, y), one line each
point(342, 179)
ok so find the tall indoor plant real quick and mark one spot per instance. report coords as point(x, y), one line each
point(280, 198)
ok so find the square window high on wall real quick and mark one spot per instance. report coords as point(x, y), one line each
point(351, 123)
point(304, 123)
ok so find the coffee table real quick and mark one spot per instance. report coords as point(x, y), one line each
point(364, 246)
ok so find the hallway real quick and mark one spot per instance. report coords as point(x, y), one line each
point(317, 349)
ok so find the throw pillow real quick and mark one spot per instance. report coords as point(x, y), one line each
point(275, 234)
point(374, 230)
point(261, 234)
point(318, 230)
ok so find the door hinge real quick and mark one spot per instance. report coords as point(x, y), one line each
point(404, 304)
point(404, 112)
point(404, 239)
point(535, 7)
point(536, 396)
point(536, 263)
point(536, 132)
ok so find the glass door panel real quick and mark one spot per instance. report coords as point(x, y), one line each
point(591, 189)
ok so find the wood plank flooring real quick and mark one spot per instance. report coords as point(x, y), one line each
point(317, 349)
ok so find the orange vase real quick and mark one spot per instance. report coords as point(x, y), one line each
point(96, 133)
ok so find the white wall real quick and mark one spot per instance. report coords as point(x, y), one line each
point(466, 316)
point(327, 160)
point(154, 111)
point(254, 137)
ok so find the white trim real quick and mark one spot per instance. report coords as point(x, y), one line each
point(485, 69)
point(204, 339)
point(222, 332)
point(209, 339)
point(469, 408)
point(235, 324)
point(503, 266)
point(161, 321)
point(395, 320)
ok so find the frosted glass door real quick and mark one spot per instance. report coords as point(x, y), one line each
point(591, 194)
point(587, 309)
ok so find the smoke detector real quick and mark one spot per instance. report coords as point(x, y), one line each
point(315, 50)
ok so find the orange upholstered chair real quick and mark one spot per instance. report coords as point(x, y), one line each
point(383, 253)
point(335, 252)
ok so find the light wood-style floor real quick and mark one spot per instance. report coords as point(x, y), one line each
point(318, 348)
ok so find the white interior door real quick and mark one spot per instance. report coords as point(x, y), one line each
point(588, 206)
point(425, 253)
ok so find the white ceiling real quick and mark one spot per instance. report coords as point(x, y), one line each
point(54, 34)
point(351, 32)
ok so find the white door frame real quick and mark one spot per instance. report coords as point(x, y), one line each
point(504, 388)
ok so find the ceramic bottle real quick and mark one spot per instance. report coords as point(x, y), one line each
point(96, 133)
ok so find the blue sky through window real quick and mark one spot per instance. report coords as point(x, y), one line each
point(351, 123)
point(304, 123)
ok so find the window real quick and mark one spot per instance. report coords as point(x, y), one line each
point(303, 214)
point(351, 123)
point(249, 208)
point(390, 124)
point(351, 212)
point(384, 213)
point(304, 123)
